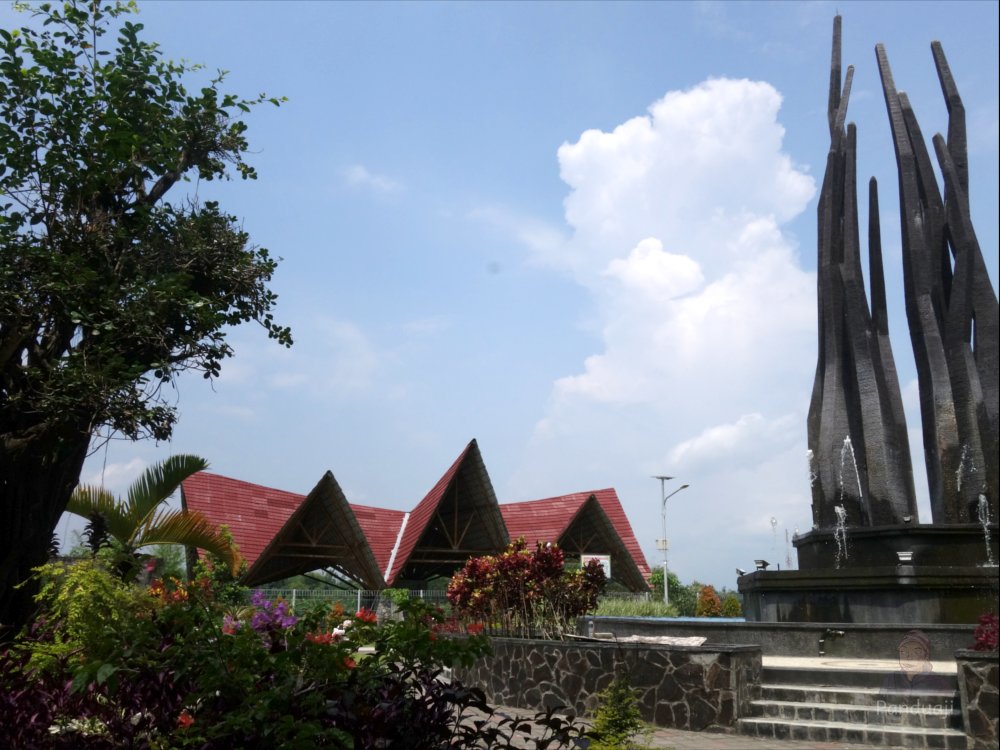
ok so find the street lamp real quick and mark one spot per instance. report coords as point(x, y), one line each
point(661, 544)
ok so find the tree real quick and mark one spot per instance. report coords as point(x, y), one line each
point(108, 291)
point(140, 520)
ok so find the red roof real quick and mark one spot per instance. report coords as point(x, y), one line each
point(256, 514)
point(381, 528)
point(547, 520)
point(253, 513)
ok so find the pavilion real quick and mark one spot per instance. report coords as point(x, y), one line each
point(282, 534)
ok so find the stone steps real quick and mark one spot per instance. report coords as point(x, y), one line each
point(934, 716)
point(850, 705)
point(837, 731)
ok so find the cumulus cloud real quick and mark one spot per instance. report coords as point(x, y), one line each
point(707, 318)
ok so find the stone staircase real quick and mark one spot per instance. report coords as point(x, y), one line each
point(849, 705)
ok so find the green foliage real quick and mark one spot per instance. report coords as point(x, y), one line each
point(173, 667)
point(100, 274)
point(140, 520)
point(709, 604)
point(113, 282)
point(731, 605)
point(213, 572)
point(612, 607)
point(618, 725)
point(683, 598)
point(83, 607)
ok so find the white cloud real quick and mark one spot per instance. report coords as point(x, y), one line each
point(707, 320)
point(750, 439)
point(358, 176)
point(115, 477)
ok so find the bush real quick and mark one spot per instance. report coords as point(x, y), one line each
point(731, 606)
point(175, 667)
point(618, 722)
point(525, 593)
point(709, 604)
point(986, 633)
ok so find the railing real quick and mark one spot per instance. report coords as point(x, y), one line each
point(355, 599)
point(352, 599)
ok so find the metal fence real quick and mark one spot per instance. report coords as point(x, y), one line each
point(355, 599)
point(351, 599)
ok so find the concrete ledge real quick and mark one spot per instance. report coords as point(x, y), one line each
point(859, 640)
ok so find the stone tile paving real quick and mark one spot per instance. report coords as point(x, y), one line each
point(676, 739)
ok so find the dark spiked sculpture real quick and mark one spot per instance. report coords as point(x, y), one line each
point(858, 449)
point(867, 558)
point(950, 306)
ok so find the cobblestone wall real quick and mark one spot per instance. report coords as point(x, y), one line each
point(977, 686)
point(686, 687)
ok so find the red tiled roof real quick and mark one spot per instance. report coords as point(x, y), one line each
point(469, 461)
point(547, 520)
point(253, 513)
point(381, 528)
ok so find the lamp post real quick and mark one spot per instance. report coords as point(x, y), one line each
point(661, 544)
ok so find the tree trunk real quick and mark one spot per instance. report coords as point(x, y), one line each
point(35, 486)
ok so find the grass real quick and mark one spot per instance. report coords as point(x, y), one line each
point(634, 608)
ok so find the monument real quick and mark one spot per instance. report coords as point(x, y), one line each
point(868, 558)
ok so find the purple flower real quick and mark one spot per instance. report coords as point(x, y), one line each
point(269, 615)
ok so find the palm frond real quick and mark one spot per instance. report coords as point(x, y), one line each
point(88, 501)
point(157, 483)
point(189, 528)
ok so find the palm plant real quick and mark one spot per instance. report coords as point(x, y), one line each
point(139, 520)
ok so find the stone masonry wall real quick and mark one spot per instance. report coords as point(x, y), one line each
point(978, 688)
point(686, 687)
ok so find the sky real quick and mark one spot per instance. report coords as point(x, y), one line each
point(583, 234)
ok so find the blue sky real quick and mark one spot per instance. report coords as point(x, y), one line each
point(582, 233)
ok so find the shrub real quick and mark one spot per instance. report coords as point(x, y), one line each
point(526, 593)
point(175, 667)
point(709, 604)
point(731, 606)
point(618, 722)
point(986, 633)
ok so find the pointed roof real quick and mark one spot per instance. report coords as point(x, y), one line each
point(322, 532)
point(583, 522)
point(458, 518)
point(253, 513)
point(281, 534)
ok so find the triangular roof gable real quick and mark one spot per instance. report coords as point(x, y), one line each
point(322, 532)
point(551, 518)
point(612, 506)
point(253, 513)
point(491, 533)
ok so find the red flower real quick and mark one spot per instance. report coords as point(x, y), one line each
point(474, 628)
point(349, 662)
point(185, 719)
point(321, 638)
point(366, 615)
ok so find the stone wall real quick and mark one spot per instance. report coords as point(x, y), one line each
point(686, 687)
point(977, 686)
